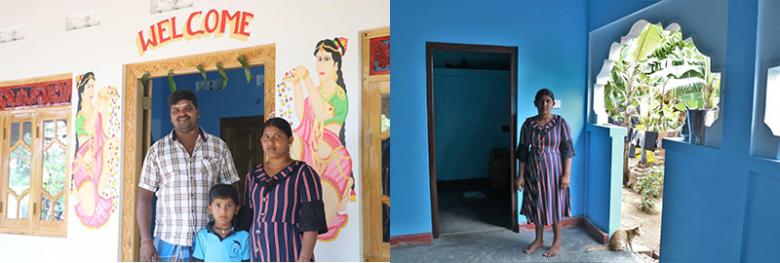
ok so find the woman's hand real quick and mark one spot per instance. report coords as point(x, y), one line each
point(565, 181)
point(289, 78)
point(300, 73)
point(108, 92)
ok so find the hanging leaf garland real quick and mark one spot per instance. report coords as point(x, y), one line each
point(202, 71)
point(245, 65)
point(171, 83)
point(222, 74)
point(145, 79)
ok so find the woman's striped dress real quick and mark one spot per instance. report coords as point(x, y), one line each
point(543, 149)
point(284, 206)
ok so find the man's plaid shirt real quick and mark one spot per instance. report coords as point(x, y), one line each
point(182, 183)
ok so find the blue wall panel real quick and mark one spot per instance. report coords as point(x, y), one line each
point(550, 37)
point(471, 106)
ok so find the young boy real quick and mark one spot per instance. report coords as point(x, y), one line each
point(220, 241)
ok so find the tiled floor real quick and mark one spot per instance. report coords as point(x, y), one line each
point(474, 229)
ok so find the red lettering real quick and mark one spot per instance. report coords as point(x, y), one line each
point(173, 28)
point(145, 43)
point(161, 31)
point(245, 18)
point(210, 29)
point(236, 18)
point(189, 24)
point(197, 23)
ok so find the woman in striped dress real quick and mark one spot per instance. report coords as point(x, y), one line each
point(286, 199)
point(545, 153)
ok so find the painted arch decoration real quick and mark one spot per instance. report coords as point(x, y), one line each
point(651, 77)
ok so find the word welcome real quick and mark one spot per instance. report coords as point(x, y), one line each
point(197, 24)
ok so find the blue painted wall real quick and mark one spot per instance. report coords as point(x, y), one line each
point(720, 200)
point(471, 106)
point(238, 99)
point(551, 40)
point(765, 144)
point(716, 197)
point(603, 12)
point(604, 176)
point(727, 189)
point(716, 206)
point(707, 27)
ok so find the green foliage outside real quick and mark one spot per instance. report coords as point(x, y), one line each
point(650, 187)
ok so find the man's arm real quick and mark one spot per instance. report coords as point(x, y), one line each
point(144, 218)
point(228, 167)
point(148, 182)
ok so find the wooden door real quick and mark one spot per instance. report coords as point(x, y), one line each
point(375, 146)
point(242, 136)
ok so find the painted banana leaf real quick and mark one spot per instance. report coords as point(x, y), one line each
point(171, 82)
point(222, 74)
point(202, 71)
point(245, 65)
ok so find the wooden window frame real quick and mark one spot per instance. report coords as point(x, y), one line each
point(34, 225)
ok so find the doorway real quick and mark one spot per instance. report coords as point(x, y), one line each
point(237, 123)
point(138, 105)
point(471, 137)
point(242, 136)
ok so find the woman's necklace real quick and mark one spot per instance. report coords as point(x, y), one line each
point(543, 119)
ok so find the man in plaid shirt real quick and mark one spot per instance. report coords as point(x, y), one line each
point(180, 169)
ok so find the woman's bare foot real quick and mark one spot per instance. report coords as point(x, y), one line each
point(553, 251)
point(533, 246)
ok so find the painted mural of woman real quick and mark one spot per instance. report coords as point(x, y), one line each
point(321, 113)
point(93, 207)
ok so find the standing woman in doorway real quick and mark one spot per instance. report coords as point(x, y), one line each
point(286, 199)
point(545, 153)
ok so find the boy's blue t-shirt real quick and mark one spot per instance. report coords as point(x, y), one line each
point(209, 246)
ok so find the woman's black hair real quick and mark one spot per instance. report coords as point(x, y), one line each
point(336, 49)
point(543, 92)
point(223, 191)
point(81, 86)
point(280, 124)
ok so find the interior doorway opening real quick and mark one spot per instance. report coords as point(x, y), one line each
point(472, 125)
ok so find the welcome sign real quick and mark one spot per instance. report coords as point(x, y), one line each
point(197, 24)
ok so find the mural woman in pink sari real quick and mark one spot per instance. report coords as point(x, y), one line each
point(321, 112)
point(89, 174)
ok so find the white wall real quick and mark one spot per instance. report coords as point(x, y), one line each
point(294, 26)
